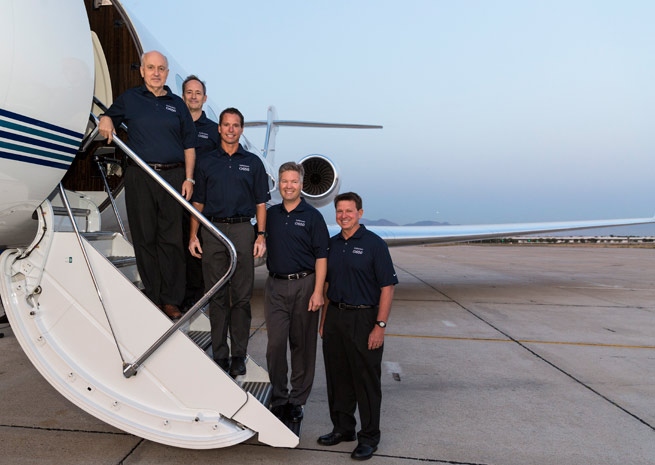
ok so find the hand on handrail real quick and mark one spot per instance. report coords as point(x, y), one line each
point(106, 128)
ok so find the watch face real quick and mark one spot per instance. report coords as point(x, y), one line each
point(381, 324)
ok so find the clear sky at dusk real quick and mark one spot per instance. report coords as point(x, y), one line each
point(493, 111)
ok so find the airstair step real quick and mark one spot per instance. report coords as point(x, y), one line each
point(99, 235)
point(61, 211)
point(120, 262)
point(203, 339)
point(260, 390)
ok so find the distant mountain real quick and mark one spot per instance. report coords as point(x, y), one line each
point(428, 223)
point(381, 222)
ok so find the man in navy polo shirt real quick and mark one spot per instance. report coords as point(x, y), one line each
point(231, 188)
point(161, 132)
point(360, 283)
point(297, 263)
point(194, 94)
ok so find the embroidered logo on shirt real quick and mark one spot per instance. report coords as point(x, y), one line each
point(203, 135)
point(300, 223)
point(171, 108)
point(358, 250)
point(244, 168)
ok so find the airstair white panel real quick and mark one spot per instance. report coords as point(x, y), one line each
point(179, 396)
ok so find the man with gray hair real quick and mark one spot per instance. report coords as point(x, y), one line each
point(161, 132)
point(297, 241)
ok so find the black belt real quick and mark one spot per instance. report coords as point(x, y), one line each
point(291, 276)
point(343, 306)
point(230, 220)
point(165, 166)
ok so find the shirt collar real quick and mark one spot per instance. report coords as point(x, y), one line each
point(299, 208)
point(203, 119)
point(241, 151)
point(358, 234)
point(144, 90)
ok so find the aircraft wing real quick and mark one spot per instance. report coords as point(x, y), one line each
point(416, 235)
point(310, 124)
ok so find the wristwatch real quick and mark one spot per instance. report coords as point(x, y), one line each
point(381, 324)
point(262, 233)
point(192, 181)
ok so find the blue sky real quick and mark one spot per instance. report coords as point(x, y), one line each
point(493, 111)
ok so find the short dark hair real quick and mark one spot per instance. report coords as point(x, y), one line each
point(349, 196)
point(232, 111)
point(193, 77)
point(292, 166)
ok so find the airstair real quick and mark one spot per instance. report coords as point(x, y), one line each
point(74, 302)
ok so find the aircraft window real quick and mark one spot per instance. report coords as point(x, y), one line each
point(179, 81)
point(210, 113)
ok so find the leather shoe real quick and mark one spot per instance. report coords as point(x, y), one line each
point(332, 439)
point(172, 312)
point(295, 413)
point(224, 363)
point(363, 451)
point(238, 367)
point(279, 411)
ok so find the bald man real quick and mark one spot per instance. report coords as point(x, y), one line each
point(161, 132)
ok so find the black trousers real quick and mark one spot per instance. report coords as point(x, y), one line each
point(230, 306)
point(353, 372)
point(156, 226)
point(288, 320)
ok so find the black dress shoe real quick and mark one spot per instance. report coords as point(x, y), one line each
point(238, 367)
point(332, 439)
point(279, 411)
point(363, 451)
point(295, 413)
point(224, 363)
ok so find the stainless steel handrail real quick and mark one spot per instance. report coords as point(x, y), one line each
point(131, 368)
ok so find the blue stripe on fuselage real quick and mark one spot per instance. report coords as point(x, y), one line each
point(40, 143)
point(43, 124)
point(35, 161)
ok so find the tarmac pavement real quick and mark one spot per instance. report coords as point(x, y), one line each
point(493, 355)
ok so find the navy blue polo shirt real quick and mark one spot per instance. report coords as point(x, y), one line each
point(208, 138)
point(295, 239)
point(159, 128)
point(230, 185)
point(358, 268)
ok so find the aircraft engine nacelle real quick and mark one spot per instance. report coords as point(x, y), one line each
point(321, 182)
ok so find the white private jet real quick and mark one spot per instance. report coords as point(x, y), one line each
point(69, 285)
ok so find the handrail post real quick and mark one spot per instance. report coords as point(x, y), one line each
point(111, 197)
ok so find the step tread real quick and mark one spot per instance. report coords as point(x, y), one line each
point(61, 211)
point(121, 261)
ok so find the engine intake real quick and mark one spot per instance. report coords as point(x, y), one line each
point(321, 182)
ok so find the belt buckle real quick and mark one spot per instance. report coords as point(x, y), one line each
point(293, 276)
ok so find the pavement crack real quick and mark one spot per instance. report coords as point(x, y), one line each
point(396, 457)
point(256, 330)
point(65, 430)
point(122, 461)
point(540, 357)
